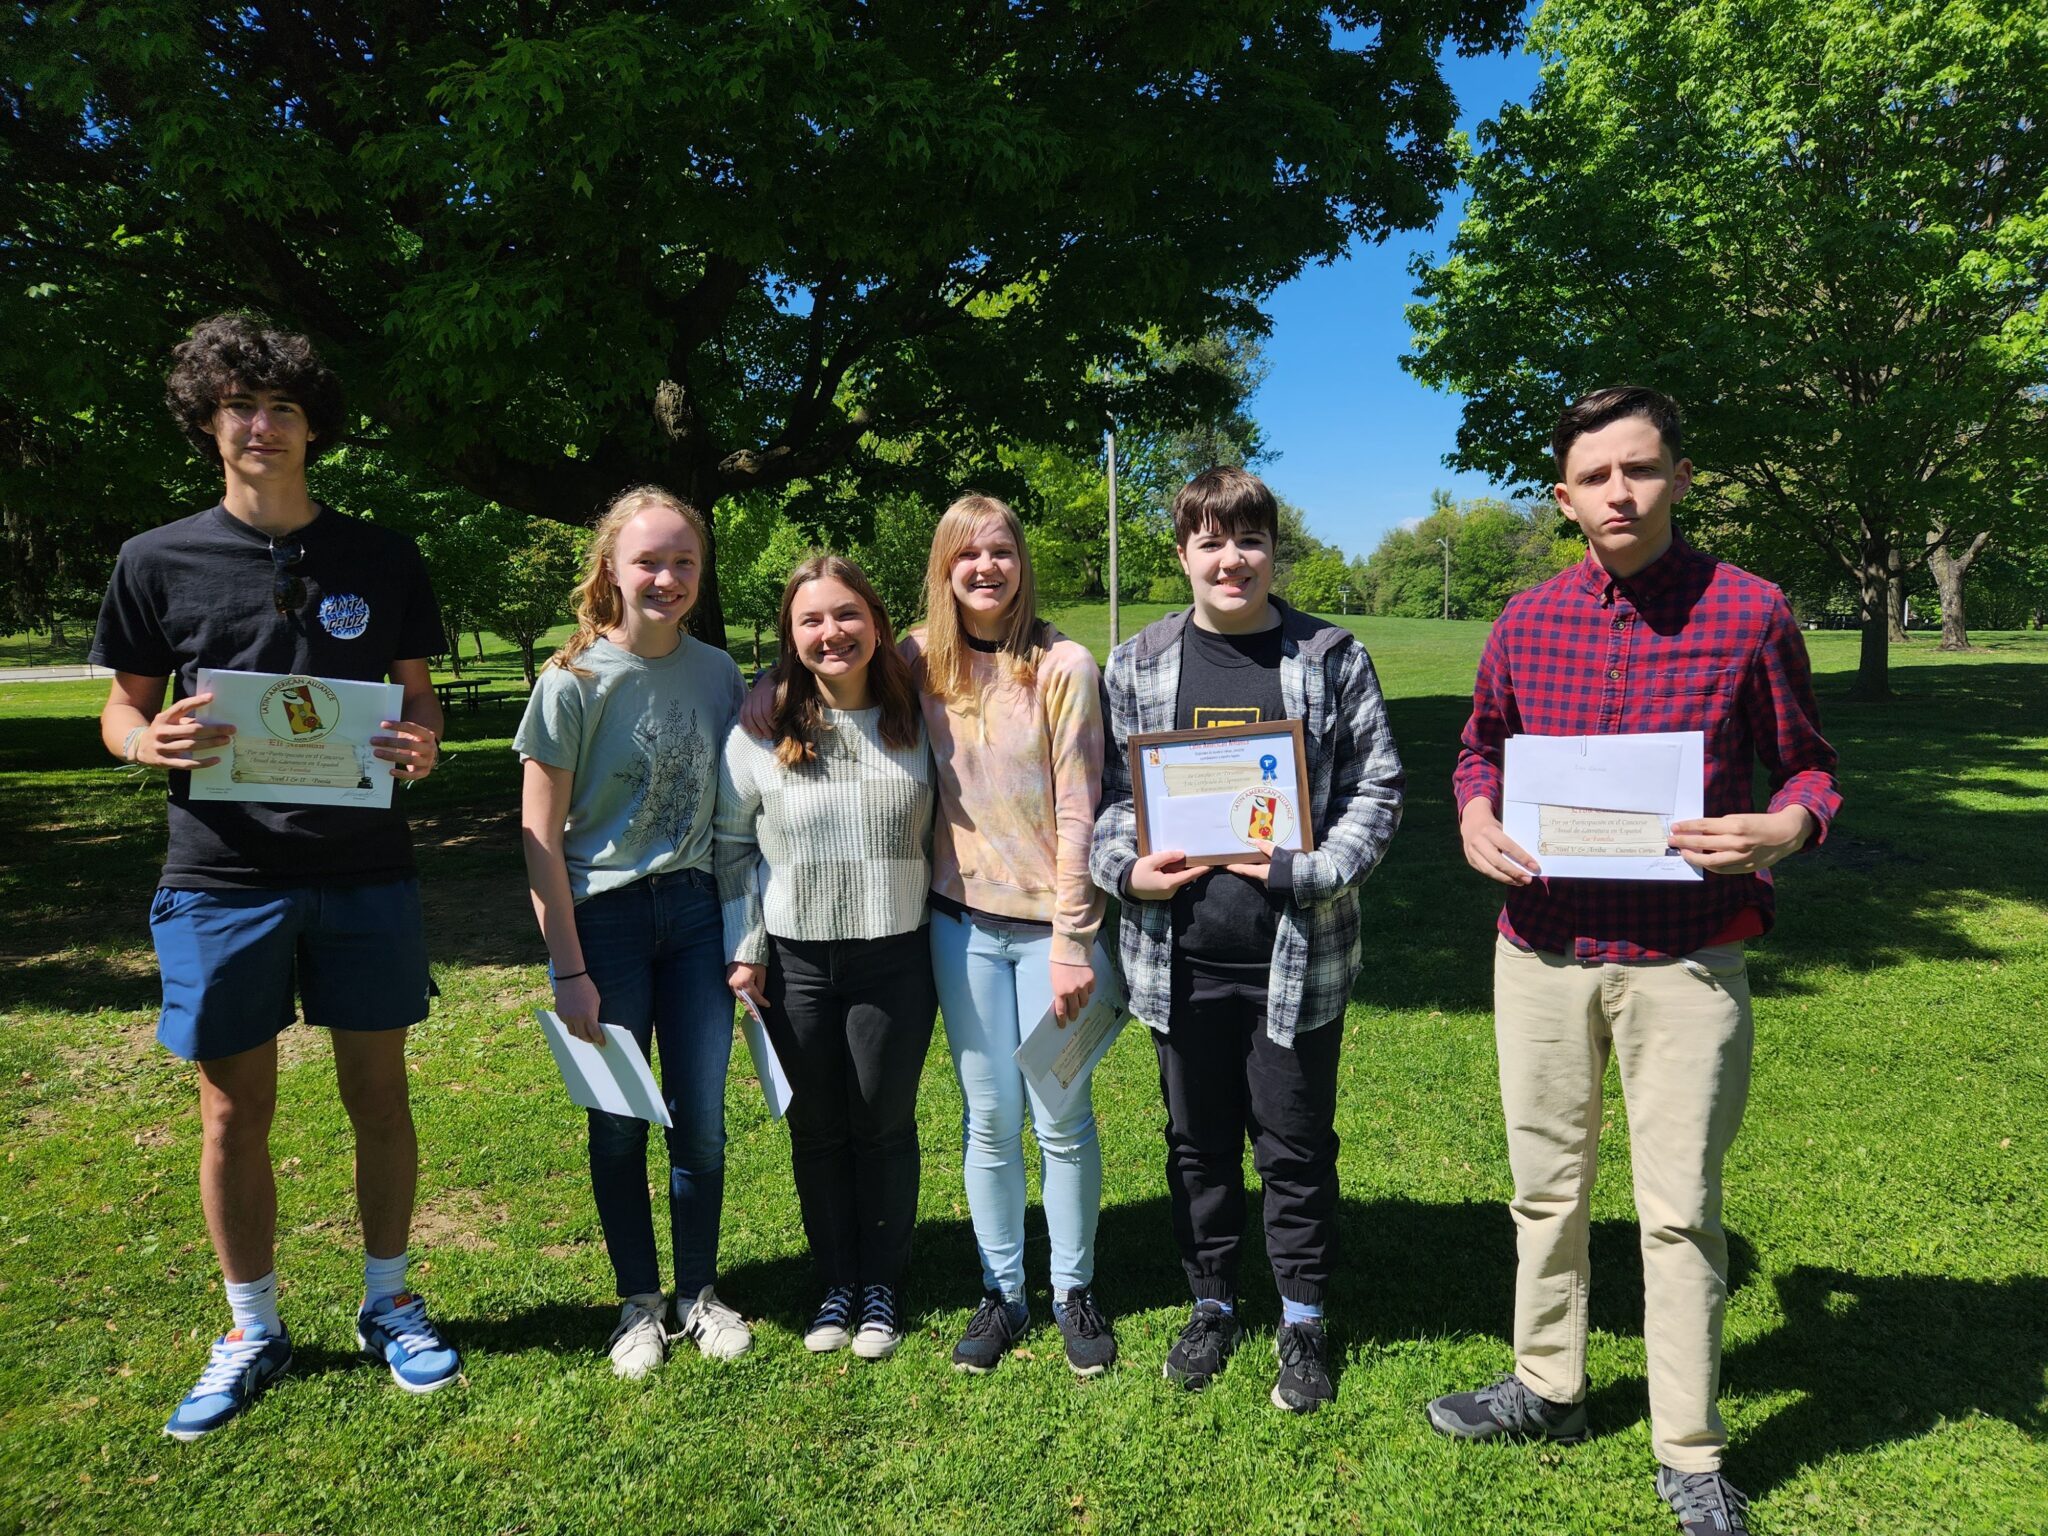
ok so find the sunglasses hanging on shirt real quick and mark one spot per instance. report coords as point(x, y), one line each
point(288, 591)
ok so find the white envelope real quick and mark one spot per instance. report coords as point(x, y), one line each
point(615, 1078)
point(775, 1089)
point(1661, 773)
point(1601, 773)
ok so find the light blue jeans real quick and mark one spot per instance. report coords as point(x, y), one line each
point(995, 980)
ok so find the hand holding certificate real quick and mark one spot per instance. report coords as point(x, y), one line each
point(297, 740)
point(1601, 807)
point(613, 1077)
point(1221, 795)
point(1059, 1057)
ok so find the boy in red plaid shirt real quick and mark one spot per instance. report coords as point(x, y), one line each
point(1645, 634)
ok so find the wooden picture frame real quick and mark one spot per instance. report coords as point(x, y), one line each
point(1151, 751)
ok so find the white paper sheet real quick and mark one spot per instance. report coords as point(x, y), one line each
point(1255, 787)
point(1659, 774)
point(298, 740)
point(767, 1065)
point(1059, 1059)
point(616, 1078)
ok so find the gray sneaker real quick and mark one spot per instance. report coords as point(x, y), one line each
point(1706, 1503)
point(1507, 1410)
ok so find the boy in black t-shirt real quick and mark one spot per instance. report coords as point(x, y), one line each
point(1243, 971)
point(261, 901)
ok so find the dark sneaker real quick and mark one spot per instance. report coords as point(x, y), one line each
point(1304, 1384)
point(879, 1331)
point(1091, 1346)
point(1204, 1345)
point(832, 1328)
point(990, 1333)
point(1706, 1503)
point(1507, 1410)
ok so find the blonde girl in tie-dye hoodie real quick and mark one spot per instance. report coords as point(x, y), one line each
point(1013, 710)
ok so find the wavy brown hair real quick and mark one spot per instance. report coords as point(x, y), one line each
point(948, 659)
point(236, 351)
point(597, 603)
point(799, 720)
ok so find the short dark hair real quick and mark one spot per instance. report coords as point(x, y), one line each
point(237, 351)
point(1591, 412)
point(1228, 498)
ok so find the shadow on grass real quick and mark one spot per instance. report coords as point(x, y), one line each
point(1392, 1281)
point(1907, 857)
point(1881, 1359)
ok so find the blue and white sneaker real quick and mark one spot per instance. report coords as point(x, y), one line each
point(244, 1362)
point(397, 1331)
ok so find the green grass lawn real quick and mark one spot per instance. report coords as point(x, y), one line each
point(1887, 1336)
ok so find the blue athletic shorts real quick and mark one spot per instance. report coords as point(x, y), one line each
point(232, 961)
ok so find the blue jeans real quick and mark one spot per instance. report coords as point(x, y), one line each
point(655, 950)
point(995, 981)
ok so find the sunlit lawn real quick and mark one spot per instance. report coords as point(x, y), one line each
point(1887, 1337)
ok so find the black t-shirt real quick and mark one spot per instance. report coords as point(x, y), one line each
point(200, 592)
point(1224, 925)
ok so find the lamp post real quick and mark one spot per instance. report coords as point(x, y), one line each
point(1446, 546)
point(1109, 443)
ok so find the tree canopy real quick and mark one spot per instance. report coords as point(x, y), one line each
point(728, 247)
point(1822, 225)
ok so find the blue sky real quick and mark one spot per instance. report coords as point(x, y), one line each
point(1360, 443)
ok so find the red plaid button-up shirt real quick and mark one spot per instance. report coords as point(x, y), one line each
point(1686, 644)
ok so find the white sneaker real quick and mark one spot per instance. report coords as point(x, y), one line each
point(879, 1333)
point(638, 1344)
point(718, 1331)
point(832, 1328)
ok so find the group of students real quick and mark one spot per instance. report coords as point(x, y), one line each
point(880, 832)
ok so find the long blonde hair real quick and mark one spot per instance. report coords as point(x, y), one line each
point(948, 659)
point(598, 605)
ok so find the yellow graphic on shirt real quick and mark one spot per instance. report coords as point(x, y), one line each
point(1208, 716)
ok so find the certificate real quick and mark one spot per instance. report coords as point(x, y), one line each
point(613, 1077)
point(775, 1089)
point(1216, 794)
point(298, 740)
point(1601, 807)
point(1057, 1058)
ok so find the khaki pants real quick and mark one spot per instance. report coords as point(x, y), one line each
point(1681, 1033)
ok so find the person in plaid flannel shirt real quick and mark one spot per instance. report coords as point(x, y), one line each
point(1645, 634)
point(1243, 972)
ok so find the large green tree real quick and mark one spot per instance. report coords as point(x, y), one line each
point(555, 249)
point(1821, 224)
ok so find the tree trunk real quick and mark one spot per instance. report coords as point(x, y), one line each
point(478, 636)
point(1874, 582)
point(757, 645)
point(526, 659)
point(1948, 570)
point(707, 619)
point(1895, 600)
point(451, 631)
point(56, 634)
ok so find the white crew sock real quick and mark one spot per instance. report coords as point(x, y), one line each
point(255, 1301)
point(382, 1277)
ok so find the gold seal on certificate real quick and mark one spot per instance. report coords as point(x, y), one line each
point(1217, 794)
point(298, 740)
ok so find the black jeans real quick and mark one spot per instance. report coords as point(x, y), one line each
point(852, 1020)
point(1223, 1079)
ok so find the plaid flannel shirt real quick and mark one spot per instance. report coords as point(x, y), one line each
point(1354, 773)
point(1686, 644)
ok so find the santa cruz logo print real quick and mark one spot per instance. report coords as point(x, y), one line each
point(344, 615)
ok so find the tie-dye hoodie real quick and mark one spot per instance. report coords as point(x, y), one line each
point(1019, 778)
